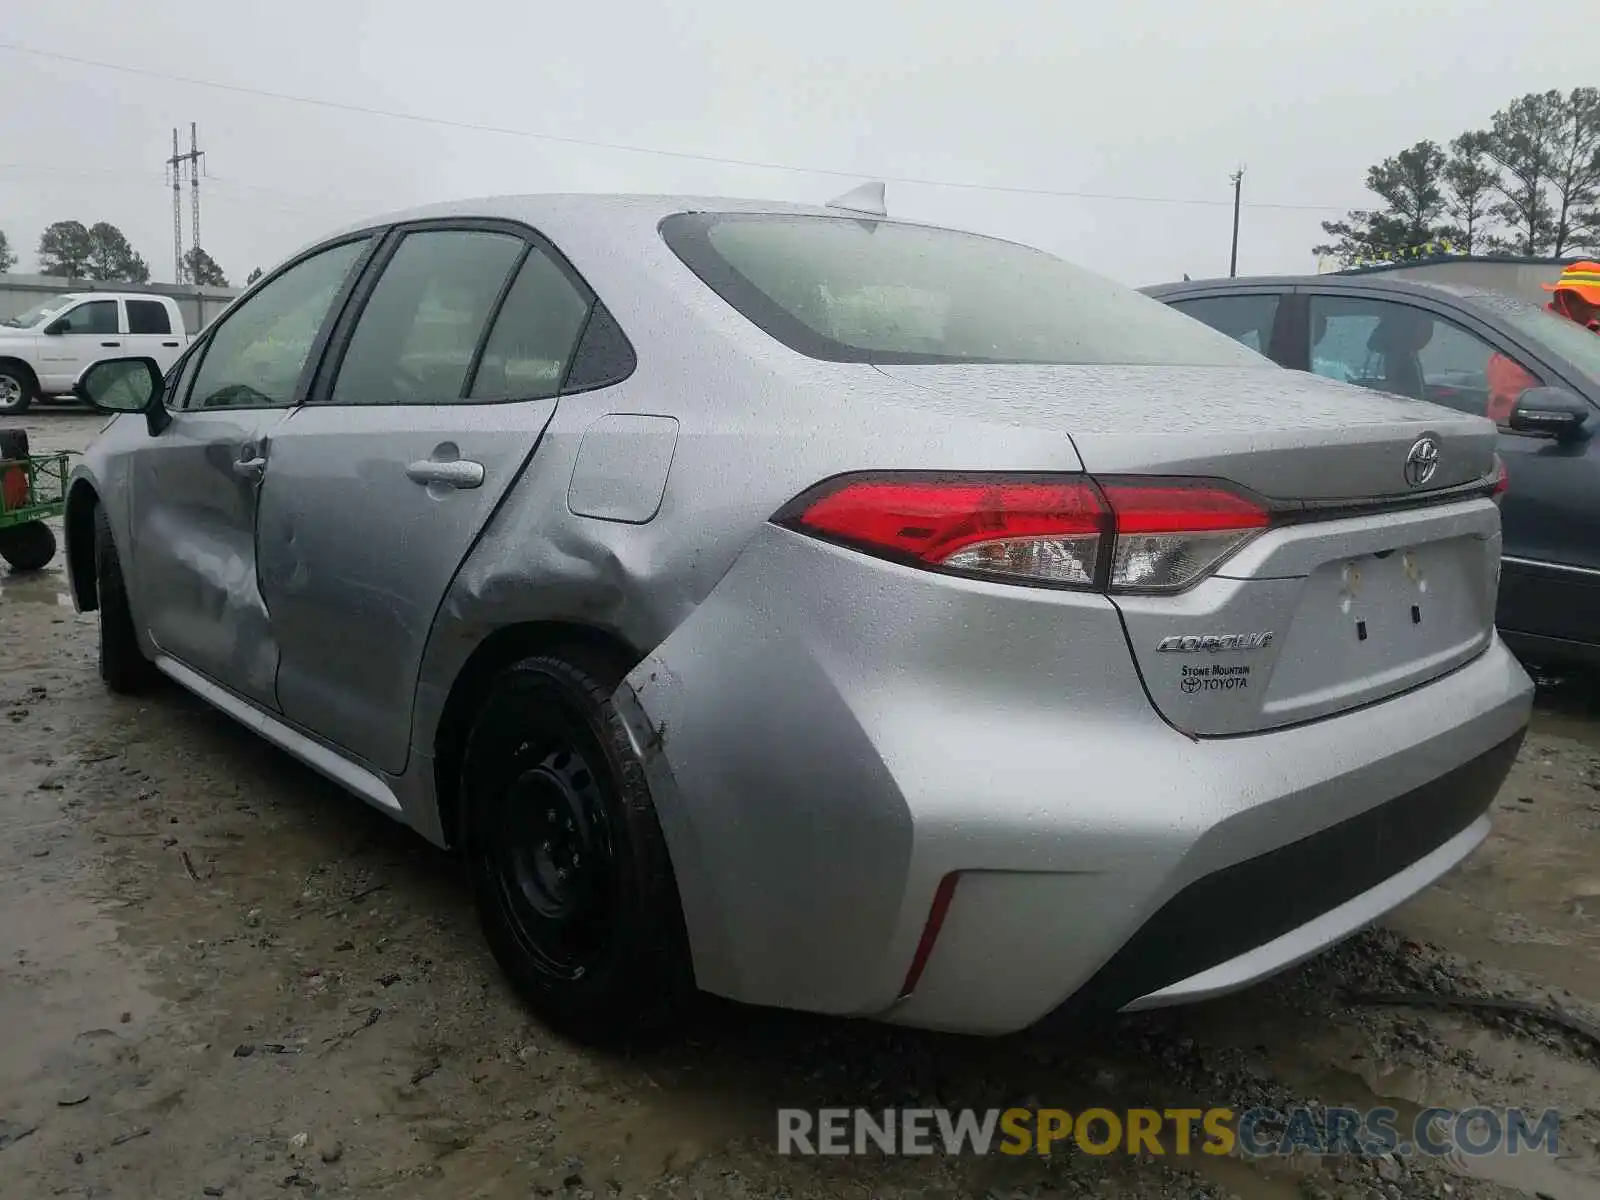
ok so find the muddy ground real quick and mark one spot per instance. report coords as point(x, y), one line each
point(219, 976)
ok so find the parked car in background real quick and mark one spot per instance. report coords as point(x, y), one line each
point(44, 351)
point(821, 610)
point(1474, 351)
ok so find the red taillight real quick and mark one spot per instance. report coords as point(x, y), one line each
point(1071, 531)
point(1049, 530)
point(1502, 480)
point(1173, 532)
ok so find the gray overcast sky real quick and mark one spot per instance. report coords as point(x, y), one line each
point(1139, 98)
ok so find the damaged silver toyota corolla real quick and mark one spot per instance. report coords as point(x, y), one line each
point(816, 609)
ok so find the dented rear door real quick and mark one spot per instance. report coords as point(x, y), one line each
point(381, 484)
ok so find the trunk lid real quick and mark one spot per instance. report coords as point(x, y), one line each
point(1330, 608)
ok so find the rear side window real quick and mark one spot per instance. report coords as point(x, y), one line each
point(417, 334)
point(532, 341)
point(148, 316)
point(1248, 320)
point(848, 289)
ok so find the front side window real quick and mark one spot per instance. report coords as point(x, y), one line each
point(1562, 337)
point(860, 290)
point(148, 316)
point(97, 318)
point(1412, 352)
point(1248, 320)
point(419, 330)
point(258, 352)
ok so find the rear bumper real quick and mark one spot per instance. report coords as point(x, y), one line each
point(827, 738)
point(1243, 923)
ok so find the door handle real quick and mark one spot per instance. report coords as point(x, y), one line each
point(456, 473)
point(111, 345)
point(250, 468)
point(169, 345)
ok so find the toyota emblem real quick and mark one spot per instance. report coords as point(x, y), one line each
point(1422, 461)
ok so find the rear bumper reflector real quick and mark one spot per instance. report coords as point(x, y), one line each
point(930, 932)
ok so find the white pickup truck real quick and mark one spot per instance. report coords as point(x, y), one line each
point(44, 350)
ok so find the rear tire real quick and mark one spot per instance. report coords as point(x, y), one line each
point(571, 875)
point(28, 547)
point(123, 665)
point(16, 391)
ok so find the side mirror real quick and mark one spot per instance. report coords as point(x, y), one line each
point(1552, 411)
point(126, 385)
point(55, 328)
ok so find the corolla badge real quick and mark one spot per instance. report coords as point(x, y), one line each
point(1422, 461)
point(1197, 643)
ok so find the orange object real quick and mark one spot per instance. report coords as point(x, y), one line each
point(1582, 278)
point(14, 485)
point(1507, 381)
point(1577, 294)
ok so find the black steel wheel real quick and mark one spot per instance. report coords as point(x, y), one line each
point(123, 665)
point(571, 874)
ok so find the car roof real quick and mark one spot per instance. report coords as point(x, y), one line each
point(1330, 283)
point(571, 211)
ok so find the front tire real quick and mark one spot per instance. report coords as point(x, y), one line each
point(27, 547)
point(571, 875)
point(16, 391)
point(123, 665)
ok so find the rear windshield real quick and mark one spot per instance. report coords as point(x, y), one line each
point(858, 290)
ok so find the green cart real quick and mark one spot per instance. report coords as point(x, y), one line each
point(32, 490)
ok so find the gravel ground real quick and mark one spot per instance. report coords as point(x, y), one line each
point(222, 977)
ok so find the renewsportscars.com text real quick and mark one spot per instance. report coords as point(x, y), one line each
point(1252, 1133)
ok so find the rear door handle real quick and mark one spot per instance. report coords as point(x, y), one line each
point(456, 473)
point(111, 345)
point(250, 468)
point(169, 345)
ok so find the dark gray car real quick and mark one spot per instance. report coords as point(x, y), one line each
point(1482, 352)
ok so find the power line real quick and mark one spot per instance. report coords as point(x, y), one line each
point(627, 148)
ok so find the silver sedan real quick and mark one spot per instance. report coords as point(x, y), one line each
point(816, 609)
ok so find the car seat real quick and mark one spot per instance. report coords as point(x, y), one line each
point(1396, 340)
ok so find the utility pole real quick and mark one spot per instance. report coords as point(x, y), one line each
point(195, 156)
point(175, 165)
point(1233, 257)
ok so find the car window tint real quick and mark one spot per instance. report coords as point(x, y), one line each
point(98, 317)
point(1412, 352)
point(845, 289)
point(148, 316)
point(417, 334)
point(258, 352)
point(1246, 319)
point(533, 338)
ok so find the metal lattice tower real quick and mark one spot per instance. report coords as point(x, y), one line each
point(175, 164)
point(195, 156)
point(175, 167)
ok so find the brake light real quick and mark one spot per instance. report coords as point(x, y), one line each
point(1502, 480)
point(1115, 534)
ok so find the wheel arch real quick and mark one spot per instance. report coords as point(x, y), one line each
point(500, 649)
